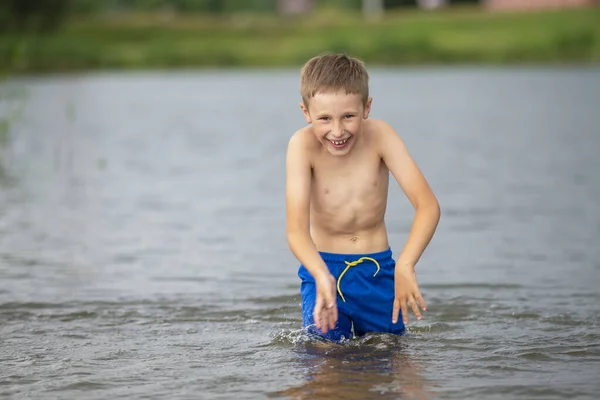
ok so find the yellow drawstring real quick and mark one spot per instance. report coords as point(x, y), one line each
point(352, 264)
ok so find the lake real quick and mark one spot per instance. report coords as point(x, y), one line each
point(143, 251)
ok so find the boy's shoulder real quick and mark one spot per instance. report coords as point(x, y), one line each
point(381, 135)
point(379, 128)
point(304, 140)
point(303, 135)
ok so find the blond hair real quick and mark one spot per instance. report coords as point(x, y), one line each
point(334, 72)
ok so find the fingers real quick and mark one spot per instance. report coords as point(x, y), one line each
point(332, 308)
point(421, 302)
point(404, 309)
point(402, 305)
point(325, 319)
point(395, 311)
point(325, 315)
point(413, 304)
point(333, 316)
point(317, 313)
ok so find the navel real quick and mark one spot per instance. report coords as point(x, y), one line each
point(354, 238)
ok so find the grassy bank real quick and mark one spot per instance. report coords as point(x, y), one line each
point(469, 36)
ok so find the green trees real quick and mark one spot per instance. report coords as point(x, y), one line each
point(32, 15)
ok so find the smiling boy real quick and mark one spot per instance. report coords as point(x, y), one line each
point(337, 174)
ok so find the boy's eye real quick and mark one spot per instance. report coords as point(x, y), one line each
point(348, 116)
point(324, 118)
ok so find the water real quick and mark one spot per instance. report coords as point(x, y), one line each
point(143, 253)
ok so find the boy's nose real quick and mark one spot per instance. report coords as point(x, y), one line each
point(338, 131)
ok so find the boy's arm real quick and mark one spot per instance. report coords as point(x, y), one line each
point(298, 185)
point(427, 215)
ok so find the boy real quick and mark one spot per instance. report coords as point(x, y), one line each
point(337, 173)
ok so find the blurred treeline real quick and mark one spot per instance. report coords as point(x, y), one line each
point(46, 15)
point(73, 35)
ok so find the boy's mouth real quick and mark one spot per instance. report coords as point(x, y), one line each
point(339, 144)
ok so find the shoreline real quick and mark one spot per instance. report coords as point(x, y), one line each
point(453, 37)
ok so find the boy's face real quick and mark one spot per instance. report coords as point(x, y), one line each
point(337, 119)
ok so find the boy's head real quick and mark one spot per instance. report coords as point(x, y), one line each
point(335, 100)
point(331, 73)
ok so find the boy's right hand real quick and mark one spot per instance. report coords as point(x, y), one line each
point(325, 313)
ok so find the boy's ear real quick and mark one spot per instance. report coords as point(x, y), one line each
point(305, 112)
point(367, 108)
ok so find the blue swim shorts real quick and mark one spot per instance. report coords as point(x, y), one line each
point(365, 295)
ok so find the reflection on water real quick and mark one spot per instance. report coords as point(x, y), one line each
point(373, 366)
point(143, 251)
point(12, 103)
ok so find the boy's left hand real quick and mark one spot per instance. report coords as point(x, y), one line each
point(406, 292)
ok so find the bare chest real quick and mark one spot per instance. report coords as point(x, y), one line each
point(353, 186)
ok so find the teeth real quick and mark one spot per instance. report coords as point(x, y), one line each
point(339, 142)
